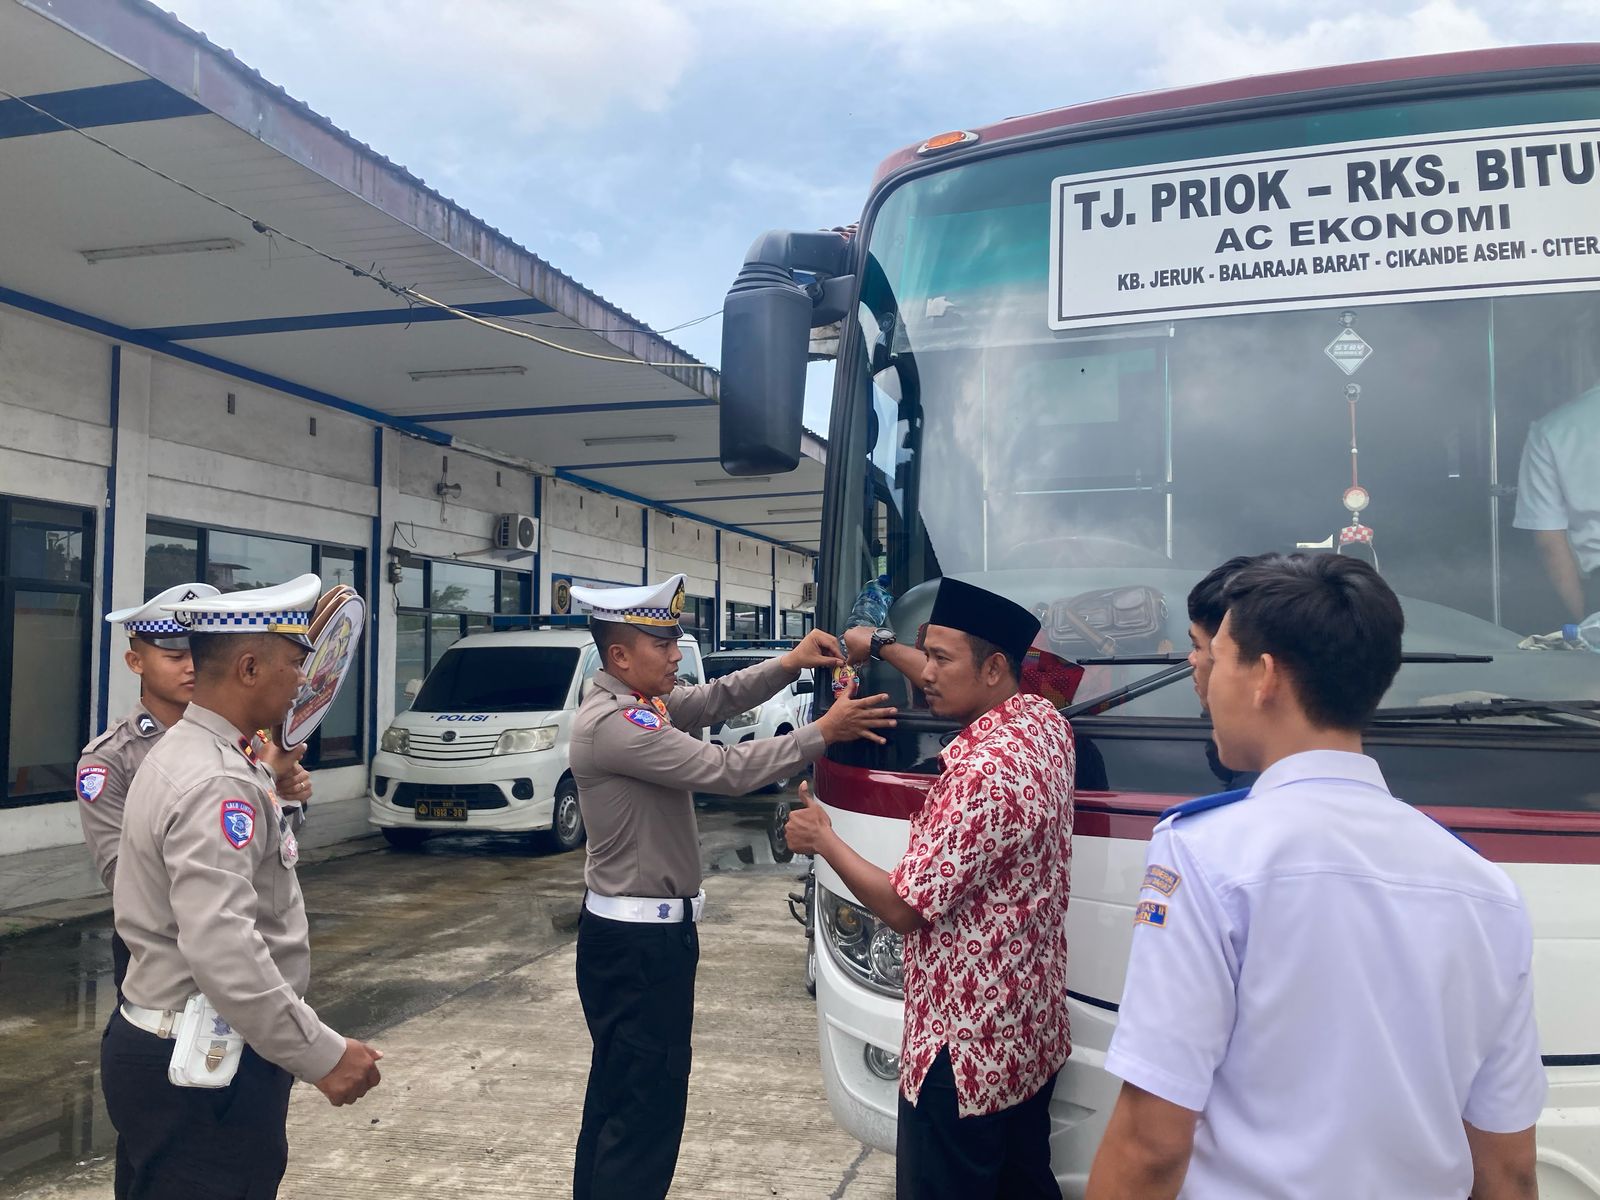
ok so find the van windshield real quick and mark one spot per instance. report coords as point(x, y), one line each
point(499, 679)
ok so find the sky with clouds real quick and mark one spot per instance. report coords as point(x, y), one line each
point(641, 145)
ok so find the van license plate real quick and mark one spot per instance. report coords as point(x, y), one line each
point(440, 812)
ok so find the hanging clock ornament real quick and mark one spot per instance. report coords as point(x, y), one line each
point(1349, 350)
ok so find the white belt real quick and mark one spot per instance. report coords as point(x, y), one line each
point(152, 1020)
point(644, 910)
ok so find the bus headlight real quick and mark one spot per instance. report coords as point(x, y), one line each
point(740, 720)
point(395, 740)
point(864, 947)
point(526, 741)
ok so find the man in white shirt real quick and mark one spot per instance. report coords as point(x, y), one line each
point(1329, 995)
point(1558, 498)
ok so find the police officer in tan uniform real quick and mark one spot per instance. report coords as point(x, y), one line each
point(638, 765)
point(158, 653)
point(208, 902)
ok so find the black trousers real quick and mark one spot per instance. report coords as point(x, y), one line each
point(636, 983)
point(940, 1155)
point(180, 1143)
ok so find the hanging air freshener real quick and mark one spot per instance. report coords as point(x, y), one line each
point(1349, 351)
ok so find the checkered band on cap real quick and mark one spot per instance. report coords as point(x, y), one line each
point(639, 616)
point(167, 628)
point(282, 621)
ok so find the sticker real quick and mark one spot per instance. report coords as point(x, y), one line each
point(147, 724)
point(238, 822)
point(1151, 913)
point(91, 782)
point(1161, 879)
point(288, 845)
point(643, 718)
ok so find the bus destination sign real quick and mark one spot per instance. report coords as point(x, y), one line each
point(1499, 212)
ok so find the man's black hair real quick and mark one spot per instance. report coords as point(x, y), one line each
point(1330, 621)
point(982, 648)
point(212, 652)
point(612, 633)
point(1206, 603)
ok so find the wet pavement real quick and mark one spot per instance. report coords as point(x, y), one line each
point(395, 936)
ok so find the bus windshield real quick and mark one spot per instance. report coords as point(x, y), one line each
point(1095, 473)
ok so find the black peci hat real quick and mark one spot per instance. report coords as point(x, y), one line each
point(986, 615)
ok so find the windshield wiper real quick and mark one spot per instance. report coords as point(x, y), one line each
point(1180, 669)
point(1572, 714)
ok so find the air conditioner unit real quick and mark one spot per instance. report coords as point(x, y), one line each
point(516, 531)
point(808, 594)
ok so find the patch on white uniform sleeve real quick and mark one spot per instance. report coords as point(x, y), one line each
point(1151, 913)
point(238, 822)
point(91, 782)
point(643, 718)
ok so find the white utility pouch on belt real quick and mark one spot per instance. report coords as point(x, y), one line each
point(206, 1049)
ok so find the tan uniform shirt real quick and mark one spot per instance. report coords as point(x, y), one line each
point(105, 770)
point(207, 897)
point(637, 774)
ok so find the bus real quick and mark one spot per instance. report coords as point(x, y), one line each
point(1084, 356)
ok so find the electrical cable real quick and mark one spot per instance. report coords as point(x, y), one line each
point(409, 294)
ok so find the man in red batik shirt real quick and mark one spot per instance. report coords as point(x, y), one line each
point(981, 897)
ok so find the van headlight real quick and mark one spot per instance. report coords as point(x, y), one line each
point(395, 740)
point(867, 949)
point(748, 717)
point(526, 741)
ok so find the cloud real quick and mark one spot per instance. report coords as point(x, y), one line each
point(1196, 49)
point(556, 64)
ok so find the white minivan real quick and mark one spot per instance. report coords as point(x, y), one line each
point(484, 745)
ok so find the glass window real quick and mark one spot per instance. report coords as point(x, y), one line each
point(410, 656)
point(444, 631)
point(411, 591)
point(699, 619)
point(171, 556)
point(748, 622)
point(794, 624)
point(501, 679)
point(461, 589)
point(49, 644)
point(235, 561)
point(339, 565)
point(47, 542)
point(1096, 475)
point(513, 592)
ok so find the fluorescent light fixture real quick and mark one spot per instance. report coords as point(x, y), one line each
point(156, 249)
point(632, 439)
point(779, 512)
point(727, 479)
point(466, 372)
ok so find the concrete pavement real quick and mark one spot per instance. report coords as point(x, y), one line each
point(459, 965)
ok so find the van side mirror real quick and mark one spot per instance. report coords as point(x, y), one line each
point(804, 687)
point(766, 332)
point(413, 686)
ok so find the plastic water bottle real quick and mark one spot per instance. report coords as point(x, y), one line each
point(871, 609)
point(872, 604)
point(1585, 635)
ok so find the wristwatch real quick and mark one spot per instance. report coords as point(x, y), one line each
point(882, 637)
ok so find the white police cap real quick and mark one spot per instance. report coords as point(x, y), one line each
point(285, 608)
point(152, 621)
point(654, 608)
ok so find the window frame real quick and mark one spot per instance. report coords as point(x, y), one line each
point(314, 759)
point(83, 587)
point(497, 620)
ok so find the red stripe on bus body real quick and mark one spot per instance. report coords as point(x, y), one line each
point(1505, 835)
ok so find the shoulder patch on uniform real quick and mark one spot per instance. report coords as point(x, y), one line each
point(147, 725)
point(91, 782)
point(1151, 913)
point(1161, 879)
point(238, 822)
point(643, 717)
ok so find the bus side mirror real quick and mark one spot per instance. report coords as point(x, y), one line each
point(766, 331)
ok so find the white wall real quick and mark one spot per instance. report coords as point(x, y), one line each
point(181, 455)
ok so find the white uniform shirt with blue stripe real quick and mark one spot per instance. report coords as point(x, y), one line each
point(1334, 982)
